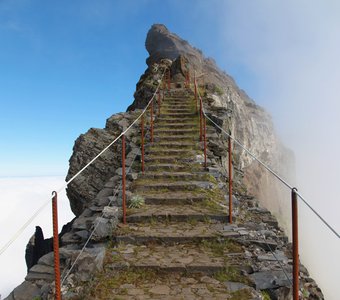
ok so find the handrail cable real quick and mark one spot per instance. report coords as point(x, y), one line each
point(268, 169)
point(38, 211)
point(280, 264)
point(94, 229)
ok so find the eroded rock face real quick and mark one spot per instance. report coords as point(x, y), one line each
point(88, 184)
point(161, 43)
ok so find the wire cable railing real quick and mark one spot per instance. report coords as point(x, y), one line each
point(269, 169)
point(43, 206)
point(294, 193)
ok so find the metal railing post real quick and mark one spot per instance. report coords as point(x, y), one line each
point(295, 245)
point(169, 79)
point(123, 179)
point(230, 181)
point(159, 103)
point(196, 98)
point(205, 142)
point(151, 121)
point(56, 246)
point(142, 142)
point(201, 120)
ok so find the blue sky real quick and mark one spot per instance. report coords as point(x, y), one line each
point(66, 66)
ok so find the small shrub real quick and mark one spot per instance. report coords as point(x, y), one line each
point(218, 90)
point(136, 201)
point(265, 295)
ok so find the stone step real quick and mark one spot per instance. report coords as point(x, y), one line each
point(169, 159)
point(170, 233)
point(154, 157)
point(176, 110)
point(159, 285)
point(177, 115)
point(176, 138)
point(175, 213)
point(188, 258)
point(176, 175)
point(171, 167)
point(174, 198)
point(169, 152)
point(172, 186)
point(177, 104)
point(176, 145)
point(167, 105)
point(177, 125)
point(162, 131)
point(169, 120)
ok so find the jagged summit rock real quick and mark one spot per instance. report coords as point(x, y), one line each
point(162, 44)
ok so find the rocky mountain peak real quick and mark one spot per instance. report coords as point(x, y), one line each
point(162, 44)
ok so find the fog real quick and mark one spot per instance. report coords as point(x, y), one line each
point(291, 48)
point(20, 198)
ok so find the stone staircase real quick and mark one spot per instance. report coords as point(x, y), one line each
point(175, 246)
point(178, 245)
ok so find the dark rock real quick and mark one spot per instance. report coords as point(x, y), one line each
point(26, 290)
point(36, 248)
point(235, 286)
point(161, 43)
point(265, 245)
point(271, 279)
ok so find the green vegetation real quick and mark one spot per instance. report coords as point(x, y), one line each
point(243, 294)
point(101, 288)
point(219, 248)
point(231, 274)
point(218, 90)
point(265, 295)
point(136, 201)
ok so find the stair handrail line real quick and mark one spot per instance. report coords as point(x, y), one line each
point(41, 208)
point(269, 169)
point(93, 230)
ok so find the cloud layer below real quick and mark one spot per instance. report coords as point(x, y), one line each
point(20, 198)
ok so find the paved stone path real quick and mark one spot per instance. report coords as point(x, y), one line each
point(175, 246)
point(179, 245)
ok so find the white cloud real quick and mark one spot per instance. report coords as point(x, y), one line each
point(293, 49)
point(20, 198)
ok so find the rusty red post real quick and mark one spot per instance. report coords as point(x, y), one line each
point(196, 94)
point(123, 179)
point(56, 246)
point(203, 84)
point(230, 181)
point(205, 142)
point(151, 121)
point(142, 142)
point(169, 79)
point(159, 103)
point(295, 245)
point(201, 120)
